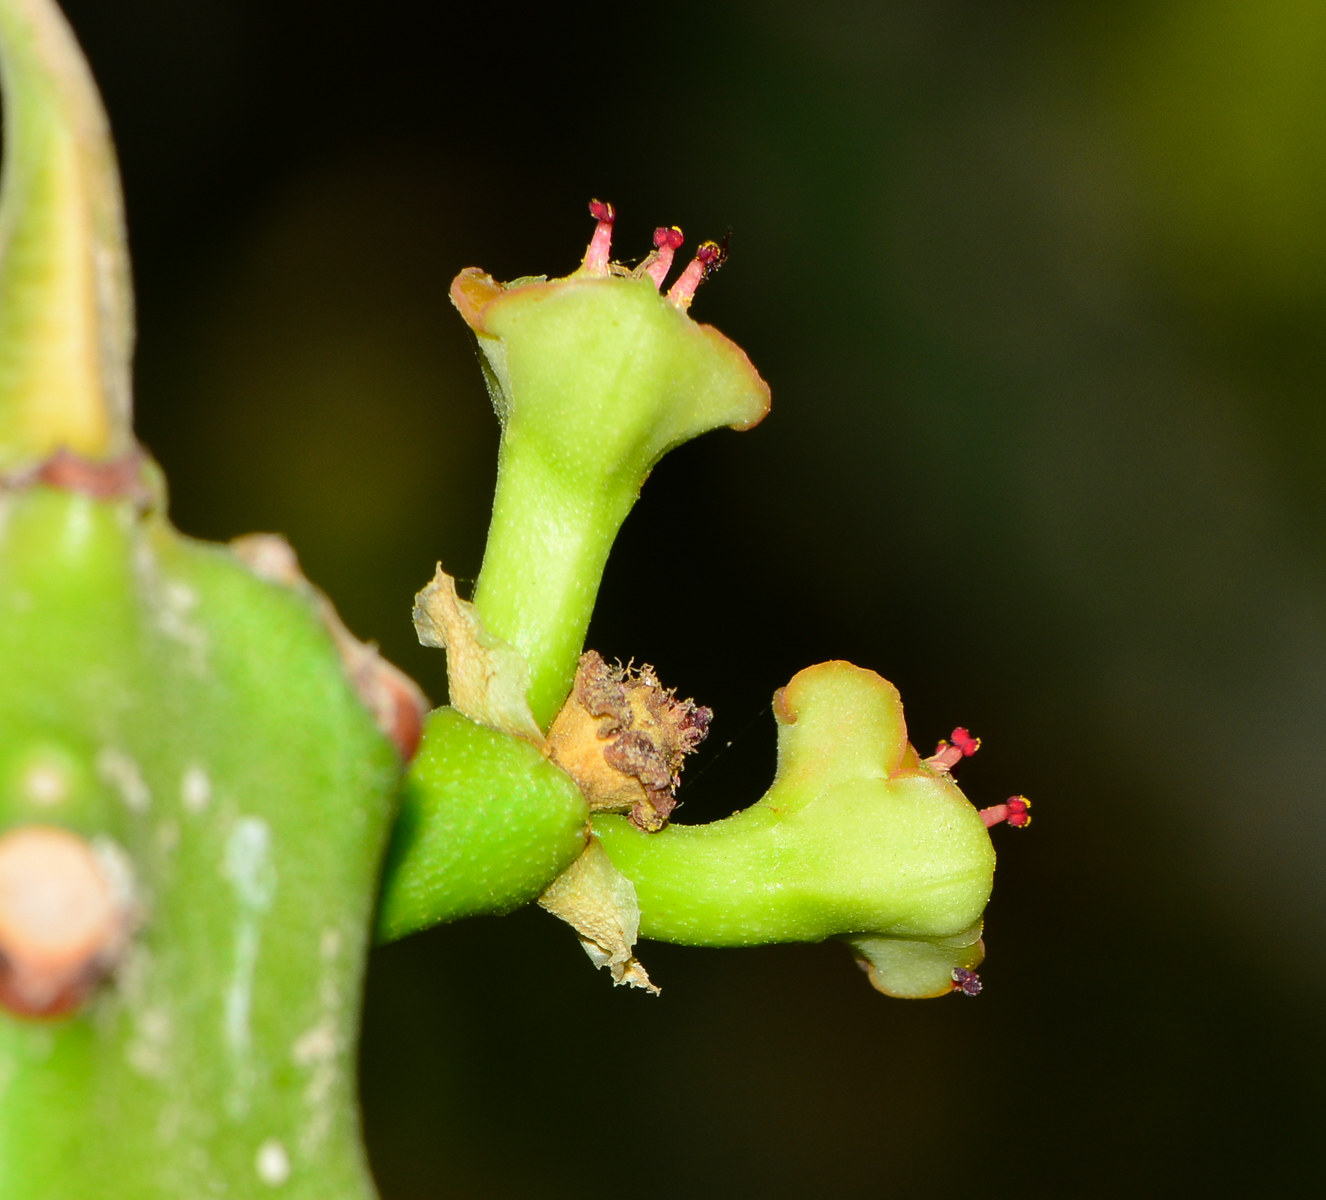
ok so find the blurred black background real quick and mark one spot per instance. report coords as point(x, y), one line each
point(1040, 292)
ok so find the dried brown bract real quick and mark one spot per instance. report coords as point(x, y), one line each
point(600, 904)
point(623, 737)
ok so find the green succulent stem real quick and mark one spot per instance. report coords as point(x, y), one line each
point(547, 548)
point(195, 721)
point(486, 824)
point(66, 310)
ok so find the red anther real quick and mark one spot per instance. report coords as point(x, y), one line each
point(667, 241)
point(600, 245)
point(1013, 810)
point(965, 742)
point(708, 258)
point(713, 255)
point(967, 982)
point(947, 755)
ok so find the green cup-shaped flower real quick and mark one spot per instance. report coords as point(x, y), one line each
point(595, 377)
point(856, 838)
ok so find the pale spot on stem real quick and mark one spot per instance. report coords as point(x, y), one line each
point(195, 789)
point(123, 773)
point(249, 869)
point(272, 1163)
point(46, 784)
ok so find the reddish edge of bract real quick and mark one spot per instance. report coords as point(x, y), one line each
point(471, 292)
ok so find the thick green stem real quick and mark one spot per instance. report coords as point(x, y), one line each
point(196, 723)
point(66, 312)
point(487, 822)
point(547, 547)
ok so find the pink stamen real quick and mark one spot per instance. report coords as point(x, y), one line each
point(666, 244)
point(945, 757)
point(708, 258)
point(948, 755)
point(1013, 810)
point(600, 245)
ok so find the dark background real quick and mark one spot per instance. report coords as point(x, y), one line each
point(1040, 291)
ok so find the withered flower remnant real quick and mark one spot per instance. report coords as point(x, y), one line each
point(622, 736)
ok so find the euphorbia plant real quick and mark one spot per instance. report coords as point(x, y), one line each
point(212, 795)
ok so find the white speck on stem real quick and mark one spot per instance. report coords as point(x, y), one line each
point(149, 1051)
point(249, 869)
point(320, 1050)
point(168, 837)
point(173, 602)
point(272, 1163)
point(330, 945)
point(178, 602)
point(249, 864)
point(195, 789)
point(45, 784)
point(319, 1044)
point(122, 772)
